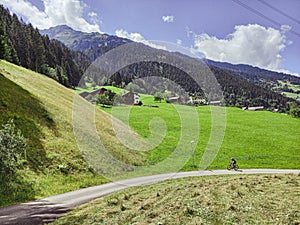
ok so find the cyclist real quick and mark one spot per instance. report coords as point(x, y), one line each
point(233, 163)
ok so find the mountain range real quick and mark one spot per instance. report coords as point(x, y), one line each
point(96, 44)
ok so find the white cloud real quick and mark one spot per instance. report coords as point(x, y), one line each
point(94, 18)
point(92, 14)
point(57, 12)
point(179, 42)
point(248, 44)
point(168, 19)
point(137, 37)
point(285, 28)
point(189, 32)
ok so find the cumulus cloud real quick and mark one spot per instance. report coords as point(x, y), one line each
point(179, 41)
point(57, 12)
point(137, 37)
point(248, 44)
point(168, 19)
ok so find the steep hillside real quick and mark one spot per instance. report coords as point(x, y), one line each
point(255, 73)
point(279, 82)
point(42, 109)
point(30, 117)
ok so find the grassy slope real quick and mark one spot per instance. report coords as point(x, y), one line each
point(30, 117)
point(255, 199)
point(291, 86)
point(27, 113)
point(89, 88)
point(259, 139)
point(56, 139)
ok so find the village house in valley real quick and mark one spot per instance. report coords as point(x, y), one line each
point(94, 93)
point(254, 108)
point(131, 98)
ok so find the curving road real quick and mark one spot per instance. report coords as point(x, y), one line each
point(48, 209)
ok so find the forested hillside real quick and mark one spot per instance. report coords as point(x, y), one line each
point(255, 73)
point(239, 90)
point(23, 45)
point(262, 77)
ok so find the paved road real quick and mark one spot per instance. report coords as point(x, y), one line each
point(48, 209)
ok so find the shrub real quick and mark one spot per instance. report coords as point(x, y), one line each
point(107, 98)
point(295, 110)
point(12, 148)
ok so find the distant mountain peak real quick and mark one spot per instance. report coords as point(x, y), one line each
point(82, 41)
point(63, 26)
point(57, 29)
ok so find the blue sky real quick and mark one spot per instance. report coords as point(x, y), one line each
point(264, 33)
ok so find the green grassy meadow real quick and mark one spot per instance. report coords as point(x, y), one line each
point(89, 88)
point(252, 199)
point(256, 139)
point(294, 87)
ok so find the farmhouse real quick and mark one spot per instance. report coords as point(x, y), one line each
point(200, 101)
point(253, 108)
point(184, 100)
point(175, 99)
point(84, 94)
point(102, 90)
point(131, 98)
point(93, 93)
point(215, 102)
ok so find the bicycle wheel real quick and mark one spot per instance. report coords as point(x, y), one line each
point(229, 167)
point(236, 167)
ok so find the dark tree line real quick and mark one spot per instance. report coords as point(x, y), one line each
point(237, 91)
point(23, 45)
point(240, 92)
point(156, 69)
point(262, 77)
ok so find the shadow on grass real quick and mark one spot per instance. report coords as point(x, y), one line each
point(15, 188)
point(30, 117)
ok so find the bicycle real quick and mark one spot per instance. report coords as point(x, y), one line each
point(231, 166)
